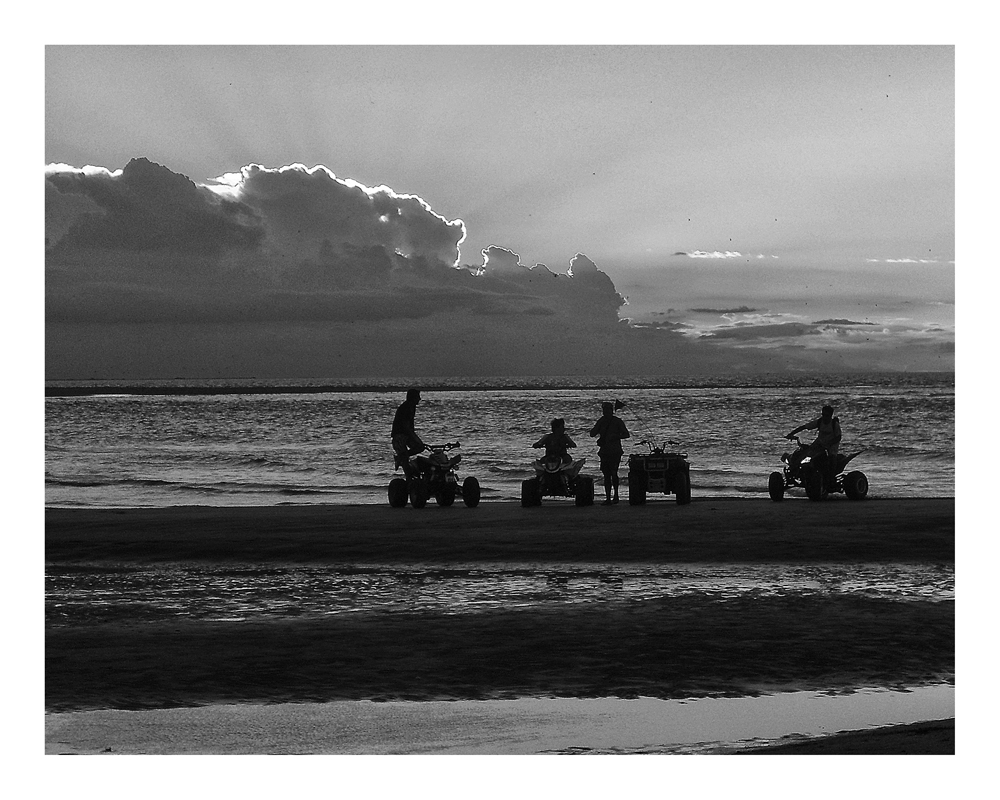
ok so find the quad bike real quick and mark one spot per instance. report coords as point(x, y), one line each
point(658, 471)
point(432, 476)
point(819, 473)
point(556, 477)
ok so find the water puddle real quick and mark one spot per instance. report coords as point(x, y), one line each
point(522, 726)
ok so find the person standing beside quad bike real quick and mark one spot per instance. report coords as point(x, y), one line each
point(610, 431)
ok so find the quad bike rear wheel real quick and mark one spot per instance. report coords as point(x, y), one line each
point(636, 487)
point(397, 492)
point(856, 485)
point(471, 491)
point(683, 488)
point(531, 493)
point(776, 486)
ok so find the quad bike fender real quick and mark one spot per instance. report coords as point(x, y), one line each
point(851, 457)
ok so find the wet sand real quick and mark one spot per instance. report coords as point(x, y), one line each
point(712, 530)
point(684, 647)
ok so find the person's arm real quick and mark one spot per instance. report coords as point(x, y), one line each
point(569, 442)
point(807, 427)
point(596, 430)
point(837, 435)
point(541, 442)
point(625, 433)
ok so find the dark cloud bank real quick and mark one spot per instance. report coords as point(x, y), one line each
point(294, 272)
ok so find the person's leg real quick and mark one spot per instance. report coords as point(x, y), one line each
point(399, 450)
point(606, 472)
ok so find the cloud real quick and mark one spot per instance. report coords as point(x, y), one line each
point(721, 254)
point(293, 271)
point(709, 254)
point(146, 243)
point(723, 311)
point(306, 209)
point(143, 208)
point(746, 332)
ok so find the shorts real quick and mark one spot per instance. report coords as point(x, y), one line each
point(611, 462)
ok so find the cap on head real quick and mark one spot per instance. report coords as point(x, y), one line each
point(608, 407)
point(827, 411)
point(413, 394)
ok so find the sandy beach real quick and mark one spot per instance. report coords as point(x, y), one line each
point(676, 648)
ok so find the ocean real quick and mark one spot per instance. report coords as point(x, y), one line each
point(247, 443)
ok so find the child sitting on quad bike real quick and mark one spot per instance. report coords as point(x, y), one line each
point(556, 444)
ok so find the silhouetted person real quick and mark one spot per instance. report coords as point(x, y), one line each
point(405, 442)
point(557, 442)
point(610, 431)
point(828, 437)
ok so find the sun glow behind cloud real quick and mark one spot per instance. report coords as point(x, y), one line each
point(408, 224)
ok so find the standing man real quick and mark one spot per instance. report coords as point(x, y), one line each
point(405, 442)
point(610, 431)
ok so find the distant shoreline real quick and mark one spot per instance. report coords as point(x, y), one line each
point(239, 386)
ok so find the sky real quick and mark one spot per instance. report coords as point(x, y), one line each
point(400, 210)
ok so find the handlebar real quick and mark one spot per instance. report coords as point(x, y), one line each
point(653, 447)
point(443, 447)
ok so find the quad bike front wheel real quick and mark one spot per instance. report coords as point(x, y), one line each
point(471, 491)
point(397, 492)
point(419, 492)
point(776, 486)
point(856, 485)
point(815, 485)
point(445, 496)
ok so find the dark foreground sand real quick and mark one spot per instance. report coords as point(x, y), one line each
point(686, 647)
point(934, 737)
point(723, 530)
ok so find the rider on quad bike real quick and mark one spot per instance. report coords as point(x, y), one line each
point(405, 441)
point(426, 476)
point(556, 445)
point(818, 467)
point(828, 437)
point(556, 474)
